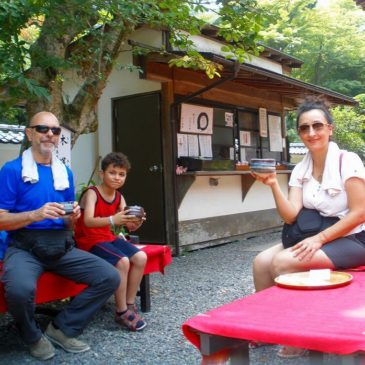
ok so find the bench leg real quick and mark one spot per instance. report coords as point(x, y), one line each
point(218, 350)
point(316, 358)
point(352, 360)
point(240, 355)
point(145, 294)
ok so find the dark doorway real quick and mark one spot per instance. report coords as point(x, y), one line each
point(137, 133)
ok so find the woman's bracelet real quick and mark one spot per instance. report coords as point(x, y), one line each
point(111, 220)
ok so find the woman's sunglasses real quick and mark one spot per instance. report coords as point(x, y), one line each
point(45, 129)
point(317, 127)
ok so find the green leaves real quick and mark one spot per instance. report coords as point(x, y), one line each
point(41, 41)
point(329, 39)
point(350, 126)
point(194, 60)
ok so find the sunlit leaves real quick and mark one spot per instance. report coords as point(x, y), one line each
point(350, 126)
point(41, 40)
point(329, 39)
point(194, 60)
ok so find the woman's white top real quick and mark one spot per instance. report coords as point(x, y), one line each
point(316, 197)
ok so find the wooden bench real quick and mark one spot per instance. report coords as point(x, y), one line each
point(53, 287)
point(158, 257)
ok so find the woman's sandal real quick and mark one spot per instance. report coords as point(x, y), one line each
point(131, 320)
point(290, 352)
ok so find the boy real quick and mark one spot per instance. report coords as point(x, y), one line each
point(102, 210)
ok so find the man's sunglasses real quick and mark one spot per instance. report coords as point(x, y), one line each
point(317, 127)
point(45, 129)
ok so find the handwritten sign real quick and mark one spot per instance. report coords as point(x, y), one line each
point(196, 119)
point(63, 151)
point(276, 144)
point(263, 122)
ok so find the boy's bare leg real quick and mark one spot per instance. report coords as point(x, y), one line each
point(135, 275)
point(120, 294)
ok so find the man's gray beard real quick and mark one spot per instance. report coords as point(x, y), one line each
point(45, 151)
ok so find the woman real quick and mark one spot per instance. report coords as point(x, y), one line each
point(328, 180)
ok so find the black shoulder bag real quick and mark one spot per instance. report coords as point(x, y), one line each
point(46, 244)
point(309, 222)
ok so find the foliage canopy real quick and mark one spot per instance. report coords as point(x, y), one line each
point(330, 40)
point(40, 41)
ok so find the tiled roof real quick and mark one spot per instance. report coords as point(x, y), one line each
point(297, 148)
point(13, 134)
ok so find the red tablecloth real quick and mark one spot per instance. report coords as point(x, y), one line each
point(329, 320)
point(159, 256)
point(53, 287)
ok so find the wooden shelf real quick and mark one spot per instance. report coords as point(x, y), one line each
point(227, 173)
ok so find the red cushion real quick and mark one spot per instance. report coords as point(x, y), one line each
point(50, 287)
point(54, 287)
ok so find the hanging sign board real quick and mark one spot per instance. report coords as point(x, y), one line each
point(276, 143)
point(196, 119)
point(63, 151)
point(263, 122)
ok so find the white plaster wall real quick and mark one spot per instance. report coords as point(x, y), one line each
point(8, 152)
point(88, 148)
point(204, 201)
point(84, 157)
point(122, 83)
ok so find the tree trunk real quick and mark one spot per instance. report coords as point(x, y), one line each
point(80, 113)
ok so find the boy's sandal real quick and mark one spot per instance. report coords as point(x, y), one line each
point(131, 320)
point(133, 307)
point(290, 352)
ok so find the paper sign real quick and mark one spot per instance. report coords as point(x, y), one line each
point(193, 145)
point(196, 119)
point(63, 151)
point(263, 122)
point(205, 146)
point(182, 145)
point(276, 144)
point(245, 138)
point(228, 118)
point(243, 155)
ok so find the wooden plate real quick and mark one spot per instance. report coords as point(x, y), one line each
point(302, 280)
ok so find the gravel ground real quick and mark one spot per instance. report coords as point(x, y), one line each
point(193, 283)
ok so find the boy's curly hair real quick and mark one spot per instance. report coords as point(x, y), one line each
point(117, 159)
point(313, 102)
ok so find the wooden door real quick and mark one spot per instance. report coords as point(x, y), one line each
point(137, 133)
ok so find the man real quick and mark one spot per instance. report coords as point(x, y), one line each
point(31, 192)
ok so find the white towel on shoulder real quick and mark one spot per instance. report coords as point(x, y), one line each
point(331, 180)
point(30, 170)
